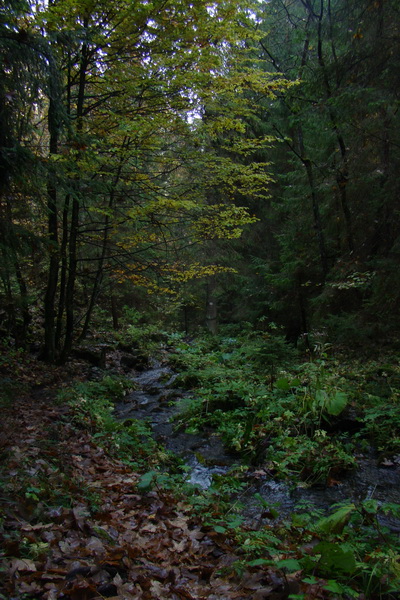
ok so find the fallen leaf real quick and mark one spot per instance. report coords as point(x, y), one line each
point(179, 546)
point(21, 564)
point(387, 463)
point(179, 522)
point(95, 546)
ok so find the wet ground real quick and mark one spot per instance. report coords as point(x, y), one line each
point(154, 401)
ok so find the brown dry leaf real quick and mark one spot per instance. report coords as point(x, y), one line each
point(179, 523)
point(265, 592)
point(29, 588)
point(68, 546)
point(254, 581)
point(95, 546)
point(387, 463)
point(259, 473)
point(21, 564)
point(141, 542)
point(37, 527)
point(80, 513)
point(159, 590)
point(128, 591)
point(150, 528)
point(50, 536)
point(51, 594)
point(179, 546)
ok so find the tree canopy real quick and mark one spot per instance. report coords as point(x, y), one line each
point(139, 142)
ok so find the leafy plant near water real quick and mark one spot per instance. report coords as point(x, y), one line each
point(292, 418)
point(265, 406)
point(382, 424)
point(302, 420)
point(354, 551)
point(289, 418)
point(93, 404)
point(349, 552)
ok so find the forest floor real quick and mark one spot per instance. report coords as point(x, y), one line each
point(75, 526)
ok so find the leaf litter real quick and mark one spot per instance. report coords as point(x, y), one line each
point(75, 527)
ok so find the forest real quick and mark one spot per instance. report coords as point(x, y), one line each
point(199, 299)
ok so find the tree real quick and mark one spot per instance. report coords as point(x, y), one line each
point(327, 208)
point(26, 66)
point(129, 180)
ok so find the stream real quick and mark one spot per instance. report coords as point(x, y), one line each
point(154, 402)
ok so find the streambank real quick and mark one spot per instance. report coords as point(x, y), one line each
point(156, 401)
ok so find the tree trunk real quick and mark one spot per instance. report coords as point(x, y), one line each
point(342, 173)
point(317, 219)
point(211, 307)
point(323, 255)
point(63, 275)
point(114, 310)
point(74, 225)
point(104, 250)
point(49, 352)
point(70, 286)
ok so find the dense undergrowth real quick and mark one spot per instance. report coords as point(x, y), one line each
point(302, 418)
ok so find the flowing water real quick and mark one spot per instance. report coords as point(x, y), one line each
point(154, 401)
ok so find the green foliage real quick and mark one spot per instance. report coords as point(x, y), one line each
point(139, 335)
point(46, 486)
point(243, 389)
point(160, 480)
point(382, 424)
point(215, 505)
point(131, 176)
point(349, 330)
point(323, 252)
point(92, 405)
point(347, 550)
point(337, 521)
point(284, 418)
point(236, 347)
